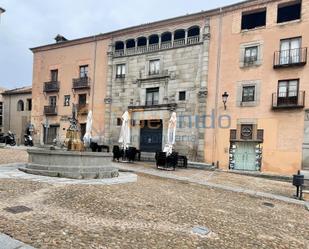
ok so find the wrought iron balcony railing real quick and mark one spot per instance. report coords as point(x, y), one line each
point(288, 100)
point(50, 110)
point(51, 86)
point(290, 57)
point(81, 83)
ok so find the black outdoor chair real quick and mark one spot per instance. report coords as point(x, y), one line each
point(131, 153)
point(166, 162)
point(117, 153)
point(182, 162)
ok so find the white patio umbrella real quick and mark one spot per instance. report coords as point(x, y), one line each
point(171, 134)
point(125, 134)
point(87, 136)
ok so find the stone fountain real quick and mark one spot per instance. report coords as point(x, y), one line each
point(74, 163)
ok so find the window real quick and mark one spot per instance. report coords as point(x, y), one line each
point(182, 95)
point(288, 88)
point(20, 106)
point(289, 11)
point(251, 55)
point(248, 93)
point(152, 96)
point(67, 100)
point(83, 71)
point(82, 99)
point(290, 51)
point(254, 19)
point(120, 71)
point(29, 104)
point(54, 75)
point(52, 100)
point(246, 131)
point(154, 67)
point(119, 121)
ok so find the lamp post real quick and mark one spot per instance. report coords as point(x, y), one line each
point(224, 99)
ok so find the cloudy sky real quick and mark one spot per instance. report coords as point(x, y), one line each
point(30, 23)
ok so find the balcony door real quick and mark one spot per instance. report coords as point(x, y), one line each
point(290, 51)
point(287, 92)
point(52, 101)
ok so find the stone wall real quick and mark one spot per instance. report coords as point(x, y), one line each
point(181, 69)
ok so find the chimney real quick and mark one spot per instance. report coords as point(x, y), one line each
point(60, 38)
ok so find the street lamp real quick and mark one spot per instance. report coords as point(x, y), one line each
point(224, 99)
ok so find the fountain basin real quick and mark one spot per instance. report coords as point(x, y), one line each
point(70, 164)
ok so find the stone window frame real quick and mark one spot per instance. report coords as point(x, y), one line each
point(147, 65)
point(257, 93)
point(119, 62)
point(258, 62)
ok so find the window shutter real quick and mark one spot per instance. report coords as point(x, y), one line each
point(233, 134)
point(260, 135)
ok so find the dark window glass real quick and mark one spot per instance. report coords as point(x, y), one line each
point(248, 93)
point(182, 95)
point(20, 106)
point(152, 96)
point(54, 75)
point(119, 121)
point(253, 20)
point(29, 104)
point(289, 12)
point(82, 98)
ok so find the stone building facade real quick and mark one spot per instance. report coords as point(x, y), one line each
point(152, 73)
point(17, 106)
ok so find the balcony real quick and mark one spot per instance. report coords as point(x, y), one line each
point(295, 100)
point(290, 58)
point(50, 110)
point(82, 109)
point(51, 86)
point(81, 83)
point(192, 40)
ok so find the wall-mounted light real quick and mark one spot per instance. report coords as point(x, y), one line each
point(224, 99)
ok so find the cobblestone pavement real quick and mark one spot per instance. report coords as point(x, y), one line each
point(150, 213)
point(14, 154)
point(221, 178)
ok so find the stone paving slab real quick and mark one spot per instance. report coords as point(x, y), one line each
point(10, 171)
point(6, 242)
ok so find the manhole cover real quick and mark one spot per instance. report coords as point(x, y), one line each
point(268, 204)
point(17, 209)
point(201, 230)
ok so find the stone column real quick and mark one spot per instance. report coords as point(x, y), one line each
point(186, 37)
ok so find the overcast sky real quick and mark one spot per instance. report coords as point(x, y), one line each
point(30, 23)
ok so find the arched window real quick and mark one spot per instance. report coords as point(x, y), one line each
point(141, 41)
point(130, 43)
point(179, 34)
point(20, 106)
point(153, 39)
point(119, 45)
point(166, 37)
point(194, 31)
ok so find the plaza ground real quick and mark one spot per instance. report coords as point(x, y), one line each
point(150, 213)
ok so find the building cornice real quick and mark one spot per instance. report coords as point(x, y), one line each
point(152, 25)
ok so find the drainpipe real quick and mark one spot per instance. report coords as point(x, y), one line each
point(94, 71)
point(219, 49)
